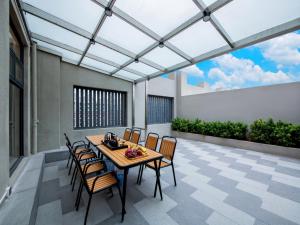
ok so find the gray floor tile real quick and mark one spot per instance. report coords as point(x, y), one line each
point(49, 214)
point(261, 177)
point(285, 191)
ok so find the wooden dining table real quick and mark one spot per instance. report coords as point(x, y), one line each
point(123, 163)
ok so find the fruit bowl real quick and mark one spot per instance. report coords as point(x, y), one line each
point(135, 152)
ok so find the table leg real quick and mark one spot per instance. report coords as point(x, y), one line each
point(157, 170)
point(124, 193)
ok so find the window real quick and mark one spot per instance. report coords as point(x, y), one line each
point(159, 109)
point(98, 108)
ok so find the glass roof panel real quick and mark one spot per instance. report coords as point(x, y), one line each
point(164, 57)
point(107, 53)
point(72, 11)
point(160, 16)
point(128, 75)
point(65, 53)
point(209, 2)
point(198, 39)
point(56, 33)
point(141, 67)
point(255, 16)
point(121, 33)
point(98, 65)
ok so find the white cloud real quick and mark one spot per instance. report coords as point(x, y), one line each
point(193, 70)
point(232, 72)
point(283, 50)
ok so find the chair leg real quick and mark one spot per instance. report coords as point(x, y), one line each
point(70, 167)
point(74, 179)
point(78, 193)
point(111, 191)
point(69, 160)
point(139, 174)
point(73, 175)
point(142, 171)
point(87, 210)
point(79, 197)
point(174, 174)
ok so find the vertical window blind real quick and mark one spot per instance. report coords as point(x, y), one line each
point(159, 109)
point(98, 108)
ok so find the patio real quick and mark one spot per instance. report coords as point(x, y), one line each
point(75, 69)
point(216, 185)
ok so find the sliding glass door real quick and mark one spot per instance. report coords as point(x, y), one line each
point(15, 101)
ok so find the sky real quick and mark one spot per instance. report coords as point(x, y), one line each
point(271, 62)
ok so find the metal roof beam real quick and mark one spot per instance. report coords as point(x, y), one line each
point(251, 40)
point(55, 20)
point(98, 27)
point(213, 20)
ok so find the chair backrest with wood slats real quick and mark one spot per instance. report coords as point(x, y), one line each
point(135, 136)
point(167, 147)
point(152, 140)
point(127, 134)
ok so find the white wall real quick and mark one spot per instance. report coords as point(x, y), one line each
point(158, 86)
point(280, 102)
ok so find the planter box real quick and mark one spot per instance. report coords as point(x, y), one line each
point(259, 147)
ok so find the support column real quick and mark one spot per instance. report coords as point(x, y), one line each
point(27, 102)
point(146, 100)
point(34, 97)
point(4, 97)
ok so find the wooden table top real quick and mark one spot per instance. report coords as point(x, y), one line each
point(95, 139)
point(118, 156)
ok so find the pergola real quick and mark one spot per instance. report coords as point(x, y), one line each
point(142, 39)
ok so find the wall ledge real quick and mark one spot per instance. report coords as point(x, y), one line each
point(254, 146)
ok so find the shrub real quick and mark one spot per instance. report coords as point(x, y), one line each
point(263, 131)
point(228, 129)
point(279, 133)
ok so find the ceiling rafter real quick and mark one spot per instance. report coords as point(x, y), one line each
point(78, 51)
point(128, 19)
point(79, 31)
point(213, 20)
point(98, 27)
point(248, 41)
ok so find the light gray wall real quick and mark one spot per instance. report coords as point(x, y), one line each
point(280, 102)
point(4, 95)
point(157, 86)
point(48, 73)
point(73, 75)
point(55, 100)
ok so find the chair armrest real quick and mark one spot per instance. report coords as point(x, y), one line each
point(77, 142)
point(84, 153)
point(90, 163)
point(97, 177)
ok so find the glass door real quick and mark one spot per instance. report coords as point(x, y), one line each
point(15, 101)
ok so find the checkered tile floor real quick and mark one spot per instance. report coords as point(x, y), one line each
point(217, 185)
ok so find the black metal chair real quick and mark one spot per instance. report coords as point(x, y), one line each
point(79, 145)
point(167, 149)
point(151, 143)
point(94, 185)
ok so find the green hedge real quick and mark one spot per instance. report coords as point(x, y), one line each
point(269, 132)
point(275, 133)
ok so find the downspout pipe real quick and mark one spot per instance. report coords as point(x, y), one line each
point(34, 97)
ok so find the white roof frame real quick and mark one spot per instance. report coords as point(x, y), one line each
point(158, 40)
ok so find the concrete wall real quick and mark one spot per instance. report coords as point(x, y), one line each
point(4, 96)
point(55, 99)
point(280, 102)
point(157, 86)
